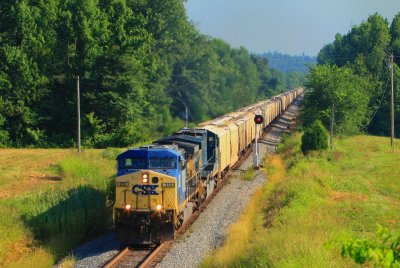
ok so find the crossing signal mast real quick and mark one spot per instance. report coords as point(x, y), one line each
point(258, 120)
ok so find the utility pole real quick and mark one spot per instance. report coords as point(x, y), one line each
point(392, 114)
point(78, 113)
point(186, 110)
point(332, 123)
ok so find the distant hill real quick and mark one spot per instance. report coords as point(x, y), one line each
point(287, 63)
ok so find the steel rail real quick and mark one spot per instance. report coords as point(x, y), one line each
point(152, 255)
point(116, 258)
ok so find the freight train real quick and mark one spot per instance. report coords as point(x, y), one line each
point(158, 186)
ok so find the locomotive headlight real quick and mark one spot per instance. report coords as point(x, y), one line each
point(145, 178)
point(128, 206)
point(159, 207)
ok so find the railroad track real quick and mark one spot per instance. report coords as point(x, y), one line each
point(139, 257)
point(150, 257)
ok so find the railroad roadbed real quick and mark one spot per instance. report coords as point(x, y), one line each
point(209, 230)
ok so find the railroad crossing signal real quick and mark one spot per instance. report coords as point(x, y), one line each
point(258, 119)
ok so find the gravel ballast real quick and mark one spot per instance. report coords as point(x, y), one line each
point(98, 251)
point(209, 230)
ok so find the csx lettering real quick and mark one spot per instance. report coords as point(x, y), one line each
point(144, 189)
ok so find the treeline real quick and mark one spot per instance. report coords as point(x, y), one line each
point(288, 63)
point(139, 62)
point(352, 79)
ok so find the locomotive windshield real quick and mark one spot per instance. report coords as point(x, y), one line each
point(162, 163)
point(133, 163)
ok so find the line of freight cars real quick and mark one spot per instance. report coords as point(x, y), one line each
point(158, 186)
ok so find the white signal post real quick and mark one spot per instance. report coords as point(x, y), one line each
point(256, 161)
point(258, 119)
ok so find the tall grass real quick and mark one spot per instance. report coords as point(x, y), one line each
point(238, 244)
point(325, 199)
point(49, 221)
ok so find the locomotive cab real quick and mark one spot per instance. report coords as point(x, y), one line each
point(147, 185)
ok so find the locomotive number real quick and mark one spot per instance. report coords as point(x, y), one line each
point(144, 189)
point(168, 184)
point(122, 184)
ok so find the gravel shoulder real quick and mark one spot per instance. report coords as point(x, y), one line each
point(98, 251)
point(209, 230)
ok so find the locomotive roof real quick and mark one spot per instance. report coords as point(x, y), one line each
point(184, 138)
point(192, 132)
point(190, 148)
point(153, 150)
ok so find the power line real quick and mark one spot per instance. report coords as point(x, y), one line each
point(355, 57)
point(380, 102)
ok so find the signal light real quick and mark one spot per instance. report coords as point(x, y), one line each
point(258, 119)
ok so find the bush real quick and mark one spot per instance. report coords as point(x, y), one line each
point(4, 140)
point(381, 252)
point(315, 137)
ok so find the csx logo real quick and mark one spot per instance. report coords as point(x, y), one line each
point(144, 189)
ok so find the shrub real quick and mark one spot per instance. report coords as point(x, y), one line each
point(4, 139)
point(315, 137)
point(381, 252)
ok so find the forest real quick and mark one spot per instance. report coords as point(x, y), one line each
point(290, 63)
point(139, 62)
point(352, 81)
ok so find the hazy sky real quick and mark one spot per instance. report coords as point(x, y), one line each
point(288, 26)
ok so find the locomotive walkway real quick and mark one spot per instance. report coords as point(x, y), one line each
point(209, 230)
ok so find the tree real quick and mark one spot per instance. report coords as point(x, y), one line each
point(135, 58)
point(363, 48)
point(330, 85)
point(395, 37)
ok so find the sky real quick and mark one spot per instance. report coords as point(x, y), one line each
point(287, 26)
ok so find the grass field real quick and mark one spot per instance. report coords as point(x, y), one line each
point(50, 201)
point(301, 219)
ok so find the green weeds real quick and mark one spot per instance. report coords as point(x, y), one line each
point(249, 174)
point(325, 199)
